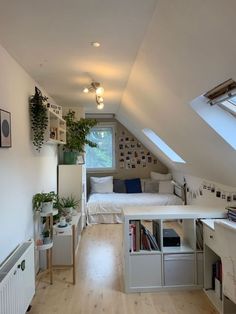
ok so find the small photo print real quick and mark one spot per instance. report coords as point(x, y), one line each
point(223, 196)
point(155, 161)
point(132, 139)
point(127, 158)
point(209, 188)
point(121, 154)
point(121, 146)
point(133, 160)
point(213, 189)
point(234, 197)
point(123, 133)
point(148, 154)
point(128, 165)
point(121, 139)
point(127, 140)
point(143, 158)
point(135, 154)
point(149, 159)
point(122, 165)
point(129, 152)
point(200, 192)
point(142, 152)
point(144, 165)
point(122, 160)
point(132, 145)
point(133, 166)
point(127, 146)
point(218, 193)
point(138, 161)
point(139, 145)
point(229, 198)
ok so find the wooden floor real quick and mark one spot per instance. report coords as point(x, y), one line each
point(99, 287)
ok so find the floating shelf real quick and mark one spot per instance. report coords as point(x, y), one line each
point(54, 213)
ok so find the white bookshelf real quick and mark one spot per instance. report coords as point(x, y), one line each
point(56, 129)
point(175, 267)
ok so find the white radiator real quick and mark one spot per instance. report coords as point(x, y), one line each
point(17, 280)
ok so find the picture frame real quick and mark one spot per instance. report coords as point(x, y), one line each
point(80, 160)
point(5, 129)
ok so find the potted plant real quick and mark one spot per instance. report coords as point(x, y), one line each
point(76, 136)
point(44, 201)
point(38, 117)
point(69, 204)
point(46, 236)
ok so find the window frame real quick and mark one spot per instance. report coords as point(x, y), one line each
point(111, 125)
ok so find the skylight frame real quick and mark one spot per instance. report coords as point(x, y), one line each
point(160, 144)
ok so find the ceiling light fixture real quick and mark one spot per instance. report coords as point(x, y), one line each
point(95, 44)
point(95, 87)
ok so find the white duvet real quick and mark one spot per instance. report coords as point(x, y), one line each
point(113, 203)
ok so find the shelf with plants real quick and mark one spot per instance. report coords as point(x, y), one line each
point(46, 124)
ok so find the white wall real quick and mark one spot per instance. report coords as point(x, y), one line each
point(188, 49)
point(23, 171)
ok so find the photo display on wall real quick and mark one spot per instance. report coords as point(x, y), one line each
point(132, 154)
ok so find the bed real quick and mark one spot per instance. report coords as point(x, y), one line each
point(107, 207)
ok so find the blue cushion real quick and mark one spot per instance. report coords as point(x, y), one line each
point(119, 186)
point(133, 186)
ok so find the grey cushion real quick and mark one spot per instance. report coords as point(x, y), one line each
point(119, 186)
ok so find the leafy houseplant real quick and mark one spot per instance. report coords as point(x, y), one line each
point(38, 117)
point(46, 236)
point(44, 201)
point(76, 136)
point(69, 203)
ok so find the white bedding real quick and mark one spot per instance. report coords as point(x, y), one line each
point(112, 203)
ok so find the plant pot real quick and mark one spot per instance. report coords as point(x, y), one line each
point(46, 240)
point(69, 210)
point(47, 207)
point(70, 158)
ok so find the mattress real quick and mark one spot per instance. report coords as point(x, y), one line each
point(113, 203)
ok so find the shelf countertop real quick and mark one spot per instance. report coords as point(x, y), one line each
point(211, 222)
point(173, 212)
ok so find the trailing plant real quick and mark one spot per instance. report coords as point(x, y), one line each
point(70, 201)
point(40, 198)
point(77, 132)
point(38, 117)
point(46, 233)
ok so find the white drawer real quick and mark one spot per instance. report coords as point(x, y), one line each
point(209, 238)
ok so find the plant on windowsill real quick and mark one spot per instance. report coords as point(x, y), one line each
point(39, 118)
point(44, 201)
point(76, 136)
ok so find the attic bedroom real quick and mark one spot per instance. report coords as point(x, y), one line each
point(117, 156)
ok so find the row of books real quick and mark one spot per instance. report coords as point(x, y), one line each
point(141, 238)
point(231, 213)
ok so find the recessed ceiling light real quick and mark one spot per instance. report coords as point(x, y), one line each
point(85, 90)
point(95, 44)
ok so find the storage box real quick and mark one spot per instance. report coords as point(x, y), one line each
point(170, 238)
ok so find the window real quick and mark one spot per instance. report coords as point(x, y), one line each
point(152, 136)
point(219, 116)
point(229, 105)
point(101, 158)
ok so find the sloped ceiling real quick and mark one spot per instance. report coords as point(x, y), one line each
point(160, 55)
point(189, 48)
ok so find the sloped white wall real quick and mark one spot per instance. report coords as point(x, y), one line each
point(23, 171)
point(189, 48)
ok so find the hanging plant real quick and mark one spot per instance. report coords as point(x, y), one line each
point(39, 118)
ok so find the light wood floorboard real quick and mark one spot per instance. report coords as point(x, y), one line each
point(99, 287)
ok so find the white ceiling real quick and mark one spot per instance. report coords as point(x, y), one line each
point(51, 40)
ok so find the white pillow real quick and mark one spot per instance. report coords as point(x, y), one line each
point(166, 187)
point(101, 184)
point(149, 186)
point(160, 176)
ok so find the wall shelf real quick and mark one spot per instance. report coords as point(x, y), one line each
point(56, 129)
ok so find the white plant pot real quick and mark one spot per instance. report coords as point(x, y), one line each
point(69, 210)
point(46, 240)
point(47, 207)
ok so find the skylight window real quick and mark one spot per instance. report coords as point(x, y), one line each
point(152, 136)
point(229, 105)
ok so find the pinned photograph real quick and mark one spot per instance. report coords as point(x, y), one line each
point(121, 139)
point(229, 198)
point(213, 189)
point(149, 159)
point(155, 161)
point(133, 166)
point(121, 154)
point(127, 146)
point(139, 145)
point(122, 165)
point(121, 146)
point(223, 196)
point(218, 193)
